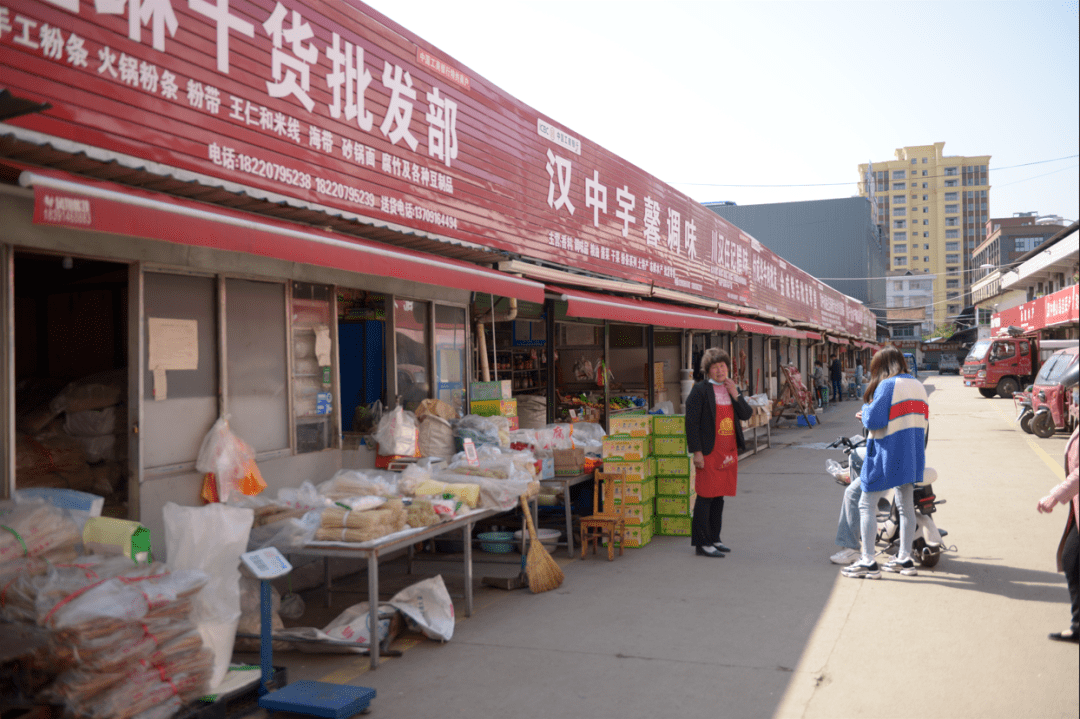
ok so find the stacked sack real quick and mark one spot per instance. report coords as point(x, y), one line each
point(363, 524)
point(74, 439)
point(123, 635)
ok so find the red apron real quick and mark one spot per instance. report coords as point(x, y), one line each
point(720, 475)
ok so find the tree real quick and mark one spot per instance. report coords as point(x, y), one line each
point(944, 331)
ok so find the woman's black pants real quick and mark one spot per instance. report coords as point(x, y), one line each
point(708, 517)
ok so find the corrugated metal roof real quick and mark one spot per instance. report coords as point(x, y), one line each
point(40, 151)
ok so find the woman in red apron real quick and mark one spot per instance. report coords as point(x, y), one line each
point(714, 435)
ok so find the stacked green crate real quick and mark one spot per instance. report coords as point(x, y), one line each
point(626, 452)
point(674, 476)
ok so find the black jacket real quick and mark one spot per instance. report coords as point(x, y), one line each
point(836, 372)
point(701, 418)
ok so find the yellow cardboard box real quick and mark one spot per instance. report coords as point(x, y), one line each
point(632, 426)
point(671, 445)
point(627, 449)
point(632, 471)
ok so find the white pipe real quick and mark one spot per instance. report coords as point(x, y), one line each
point(481, 348)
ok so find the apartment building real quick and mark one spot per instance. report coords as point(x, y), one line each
point(933, 208)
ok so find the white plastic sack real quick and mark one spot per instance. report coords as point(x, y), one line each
point(91, 423)
point(427, 604)
point(211, 538)
point(397, 432)
point(436, 437)
point(665, 407)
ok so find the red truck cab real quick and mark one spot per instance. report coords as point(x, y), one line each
point(1001, 365)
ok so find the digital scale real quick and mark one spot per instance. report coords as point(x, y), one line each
point(321, 699)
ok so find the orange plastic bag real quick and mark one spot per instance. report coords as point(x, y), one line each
point(252, 482)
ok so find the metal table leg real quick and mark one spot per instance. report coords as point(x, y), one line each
point(326, 579)
point(373, 608)
point(569, 519)
point(467, 537)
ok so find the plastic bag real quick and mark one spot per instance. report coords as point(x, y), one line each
point(665, 407)
point(397, 433)
point(436, 437)
point(481, 430)
point(211, 539)
point(839, 472)
point(231, 460)
point(359, 483)
point(427, 604)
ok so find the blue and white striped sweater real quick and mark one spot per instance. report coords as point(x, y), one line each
point(896, 421)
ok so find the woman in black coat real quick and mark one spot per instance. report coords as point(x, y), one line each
point(715, 409)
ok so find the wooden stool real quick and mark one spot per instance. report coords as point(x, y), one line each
point(609, 522)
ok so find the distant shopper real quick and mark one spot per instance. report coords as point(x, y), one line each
point(860, 378)
point(1068, 554)
point(836, 375)
point(714, 409)
point(820, 382)
point(896, 417)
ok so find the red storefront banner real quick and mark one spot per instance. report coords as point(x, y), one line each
point(334, 104)
point(105, 207)
point(1060, 308)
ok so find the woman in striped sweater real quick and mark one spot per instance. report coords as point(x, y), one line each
point(895, 415)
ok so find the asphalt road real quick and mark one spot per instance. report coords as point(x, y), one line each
point(773, 630)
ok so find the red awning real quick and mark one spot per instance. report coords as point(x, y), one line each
point(63, 199)
point(619, 309)
point(837, 340)
point(764, 328)
point(811, 335)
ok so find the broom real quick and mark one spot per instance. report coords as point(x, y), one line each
point(543, 571)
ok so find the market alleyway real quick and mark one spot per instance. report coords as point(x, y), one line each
point(773, 630)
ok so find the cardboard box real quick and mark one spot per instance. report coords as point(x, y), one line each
point(637, 514)
point(635, 492)
point(546, 468)
point(674, 486)
point(494, 407)
point(627, 449)
point(672, 526)
point(674, 466)
point(668, 424)
point(632, 471)
point(670, 445)
point(637, 535)
point(675, 506)
point(569, 462)
point(490, 390)
point(631, 426)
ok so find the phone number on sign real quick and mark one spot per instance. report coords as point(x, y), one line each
point(230, 159)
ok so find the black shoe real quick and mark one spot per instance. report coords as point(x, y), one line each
point(709, 552)
point(722, 547)
point(1071, 636)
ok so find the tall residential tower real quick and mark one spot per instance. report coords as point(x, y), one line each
point(933, 208)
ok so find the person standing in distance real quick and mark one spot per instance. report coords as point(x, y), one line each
point(836, 376)
point(714, 409)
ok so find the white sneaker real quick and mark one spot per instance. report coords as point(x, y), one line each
point(845, 556)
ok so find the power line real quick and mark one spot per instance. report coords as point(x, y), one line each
point(856, 182)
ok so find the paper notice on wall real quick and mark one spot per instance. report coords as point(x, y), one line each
point(322, 345)
point(174, 344)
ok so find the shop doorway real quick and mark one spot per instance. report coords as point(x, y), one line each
point(71, 376)
point(361, 356)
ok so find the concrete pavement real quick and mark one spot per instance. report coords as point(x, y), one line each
point(772, 630)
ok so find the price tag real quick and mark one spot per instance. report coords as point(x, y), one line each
point(573, 414)
point(470, 452)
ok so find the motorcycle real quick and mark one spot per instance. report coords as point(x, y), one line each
point(928, 545)
point(1024, 411)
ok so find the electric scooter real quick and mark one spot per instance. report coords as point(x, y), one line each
point(928, 545)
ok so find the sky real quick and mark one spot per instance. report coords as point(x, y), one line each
point(759, 102)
